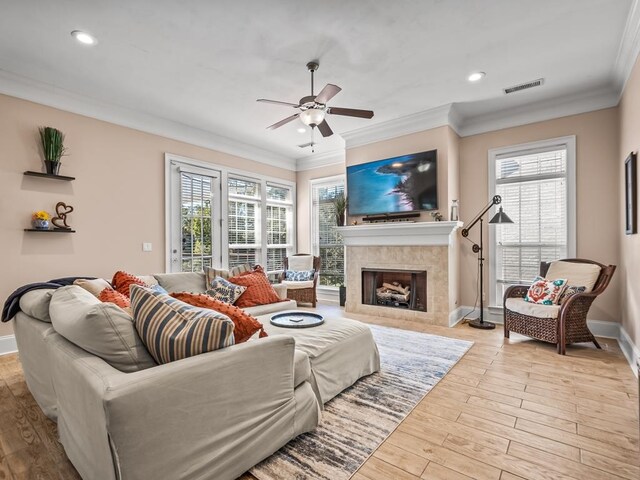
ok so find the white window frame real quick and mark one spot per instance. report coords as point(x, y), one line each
point(226, 172)
point(568, 143)
point(316, 182)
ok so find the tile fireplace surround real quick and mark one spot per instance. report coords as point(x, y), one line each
point(432, 246)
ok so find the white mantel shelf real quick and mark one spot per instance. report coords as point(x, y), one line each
point(400, 234)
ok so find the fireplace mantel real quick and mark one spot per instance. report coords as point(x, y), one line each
point(400, 234)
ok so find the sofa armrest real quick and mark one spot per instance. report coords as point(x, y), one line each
point(206, 413)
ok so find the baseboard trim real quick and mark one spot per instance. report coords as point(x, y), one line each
point(630, 350)
point(8, 344)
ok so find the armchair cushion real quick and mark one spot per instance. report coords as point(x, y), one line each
point(529, 309)
point(296, 285)
point(299, 276)
point(576, 273)
point(300, 263)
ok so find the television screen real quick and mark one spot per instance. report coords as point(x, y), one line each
point(399, 184)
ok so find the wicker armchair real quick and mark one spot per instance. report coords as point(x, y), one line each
point(303, 295)
point(570, 326)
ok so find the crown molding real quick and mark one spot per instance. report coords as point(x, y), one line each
point(588, 101)
point(321, 160)
point(417, 122)
point(46, 94)
point(629, 48)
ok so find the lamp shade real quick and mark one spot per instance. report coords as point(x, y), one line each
point(500, 217)
point(312, 116)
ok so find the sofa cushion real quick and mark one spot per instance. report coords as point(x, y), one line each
point(36, 304)
point(113, 296)
point(297, 285)
point(148, 279)
point(519, 305)
point(301, 367)
point(244, 324)
point(271, 308)
point(259, 290)
point(122, 282)
point(578, 274)
point(281, 290)
point(300, 262)
point(546, 292)
point(94, 287)
point(299, 276)
point(173, 330)
point(225, 291)
point(192, 282)
point(102, 329)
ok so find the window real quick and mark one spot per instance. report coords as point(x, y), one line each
point(279, 226)
point(327, 241)
point(537, 186)
point(195, 219)
point(243, 222)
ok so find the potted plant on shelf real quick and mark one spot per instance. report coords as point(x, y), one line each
point(52, 141)
point(40, 220)
point(340, 205)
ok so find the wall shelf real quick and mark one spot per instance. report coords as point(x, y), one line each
point(52, 230)
point(48, 175)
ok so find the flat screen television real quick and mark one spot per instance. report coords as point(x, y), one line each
point(399, 184)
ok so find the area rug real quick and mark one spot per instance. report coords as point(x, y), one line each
point(358, 420)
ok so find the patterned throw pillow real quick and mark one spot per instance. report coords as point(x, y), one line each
point(570, 291)
point(303, 276)
point(259, 290)
point(546, 292)
point(225, 291)
point(245, 324)
point(172, 330)
point(123, 280)
point(113, 296)
point(212, 273)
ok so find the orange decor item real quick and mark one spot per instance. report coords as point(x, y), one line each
point(245, 324)
point(112, 296)
point(259, 291)
point(123, 280)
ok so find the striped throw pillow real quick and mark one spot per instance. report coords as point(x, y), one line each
point(173, 330)
point(212, 273)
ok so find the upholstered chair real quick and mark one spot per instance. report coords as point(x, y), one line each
point(302, 291)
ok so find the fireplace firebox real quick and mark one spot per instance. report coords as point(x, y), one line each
point(395, 288)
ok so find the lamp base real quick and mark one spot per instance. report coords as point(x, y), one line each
point(482, 325)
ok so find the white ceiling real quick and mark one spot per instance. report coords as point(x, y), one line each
point(204, 63)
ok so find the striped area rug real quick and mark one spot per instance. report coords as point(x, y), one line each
point(358, 420)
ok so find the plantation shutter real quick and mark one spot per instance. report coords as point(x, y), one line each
point(196, 197)
point(279, 225)
point(244, 222)
point(327, 241)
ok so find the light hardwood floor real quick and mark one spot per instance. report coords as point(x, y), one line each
point(510, 409)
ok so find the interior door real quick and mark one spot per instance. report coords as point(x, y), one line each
point(195, 212)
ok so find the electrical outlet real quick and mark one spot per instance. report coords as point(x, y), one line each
point(147, 247)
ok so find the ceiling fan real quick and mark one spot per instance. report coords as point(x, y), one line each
point(314, 108)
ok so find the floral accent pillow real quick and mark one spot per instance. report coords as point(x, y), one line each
point(546, 292)
point(570, 291)
point(225, 291)
point(302, 276)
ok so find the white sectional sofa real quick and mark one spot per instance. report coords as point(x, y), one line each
point(212, 416)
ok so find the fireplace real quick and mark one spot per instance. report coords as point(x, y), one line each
point(395, 288)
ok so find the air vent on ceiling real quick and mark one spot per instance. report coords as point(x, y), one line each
point(524, 86)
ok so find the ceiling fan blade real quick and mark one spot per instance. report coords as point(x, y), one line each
point(327, 93)
point(277, 102)
point(282, 122)
point(350, 112)
point(325, 129)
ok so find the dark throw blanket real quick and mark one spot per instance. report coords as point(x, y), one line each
point(12, 305)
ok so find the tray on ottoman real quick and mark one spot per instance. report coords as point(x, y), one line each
point(296, 319)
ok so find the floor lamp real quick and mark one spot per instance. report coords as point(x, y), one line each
point(499, 217)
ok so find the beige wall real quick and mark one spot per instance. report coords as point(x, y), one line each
point(629, 268)
point(118, 196)
point(303, 192)
point(597, 179)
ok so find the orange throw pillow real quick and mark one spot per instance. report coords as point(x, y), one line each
point(112, 296)
point(123, 280)
point(245, 324)
point(259, 291)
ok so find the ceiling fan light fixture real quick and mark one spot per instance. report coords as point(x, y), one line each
point(476, 76)
point(312, 116)
point(84, 37)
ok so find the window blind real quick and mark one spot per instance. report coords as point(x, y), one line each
point(195, 220)
point(327, 241)
point(243, 221)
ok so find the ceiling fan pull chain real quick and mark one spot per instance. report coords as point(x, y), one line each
point(312, 71)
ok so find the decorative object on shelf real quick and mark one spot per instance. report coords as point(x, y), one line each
point(52, 141)
point(437, 216)
point(62, 210)
point(630, 195)
point(454, 211)
point(340, 204)
point(40, 220)
point(499, 217)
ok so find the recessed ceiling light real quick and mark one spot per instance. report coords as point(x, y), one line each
point(84, 37)
point(302, 130)
point(476, 76)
